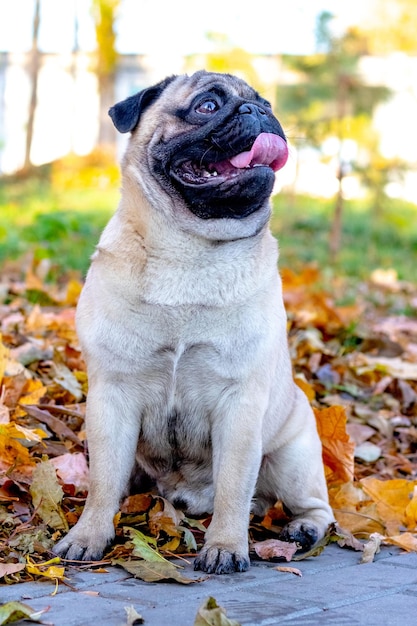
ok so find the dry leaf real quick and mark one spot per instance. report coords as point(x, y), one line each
point(142, 549)
point(47, 494)
point(338, 448)
point(15, 611)
point(211, 614)
point(133, 617)
point(406, 541)
point(153, 572)
point(371, 548)
point(72, 469)
point(289, 570)
point(274, 548)
point(10, 568)
point(392, 498)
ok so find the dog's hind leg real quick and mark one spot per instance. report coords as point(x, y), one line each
point(294, 474)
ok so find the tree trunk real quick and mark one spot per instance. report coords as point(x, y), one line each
point(34, 73)
point(336, 229)
point(106, 133)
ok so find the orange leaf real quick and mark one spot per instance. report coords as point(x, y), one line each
point(338, 447)
point(306, 387)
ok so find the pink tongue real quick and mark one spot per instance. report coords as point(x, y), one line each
point(268, 149)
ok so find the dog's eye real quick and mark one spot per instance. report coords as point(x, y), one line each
point(207, 107)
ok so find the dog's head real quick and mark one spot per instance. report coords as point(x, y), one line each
point(209, 141)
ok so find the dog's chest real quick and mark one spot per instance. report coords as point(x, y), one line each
point(183, 389)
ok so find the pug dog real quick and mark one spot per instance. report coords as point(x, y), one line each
point(183, 329)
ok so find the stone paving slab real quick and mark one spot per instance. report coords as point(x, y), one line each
point(334, 590)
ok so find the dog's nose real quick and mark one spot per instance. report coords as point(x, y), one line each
point(252, 109)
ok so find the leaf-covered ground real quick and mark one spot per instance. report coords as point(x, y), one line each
point(354, 350)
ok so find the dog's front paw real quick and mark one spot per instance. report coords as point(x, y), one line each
point(83, 544)
point(306, 534)
point(216, 560)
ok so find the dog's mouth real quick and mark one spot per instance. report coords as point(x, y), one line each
point(268, 150)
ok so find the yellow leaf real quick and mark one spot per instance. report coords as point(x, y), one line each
point(47, 494)
point(406, 541)
point(392, 498)
point(354, 510)
point(33, 391)
point(12, 452)
point(48, 569)
point(338, 447)
point(16, 611)
point(411, 511)
point(73, 291)
point(35, 434)
point(4, 352)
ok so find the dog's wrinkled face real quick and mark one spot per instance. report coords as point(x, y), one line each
point(210, 139)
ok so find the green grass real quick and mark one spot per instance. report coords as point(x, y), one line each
point(369, 241)
point(64, 224)
point(61, 225)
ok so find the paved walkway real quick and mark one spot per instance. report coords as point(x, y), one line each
point(333, 589)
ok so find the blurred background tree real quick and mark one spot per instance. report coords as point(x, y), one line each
point(329, 98)
point(35, 60)
point(392, 27)
point(105, 14)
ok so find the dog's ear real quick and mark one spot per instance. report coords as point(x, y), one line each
point(126, 114)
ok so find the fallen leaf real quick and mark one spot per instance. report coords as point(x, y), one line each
point(72, 469)
point(395, 367)
point(406, 541)
point(12, 452)
point(16, 611)
point(392, 498)
point(338, 448)
point(371, 548)
point(153, 572)
point(4, 353)
point(211, 614)
point(48, 569)
point(355, 511)
point(368, 451)
point(10, 568)
point(54, 423)
point(142, 549)
point(66, 379)
point(274, 548)
point(33, 392)
point(133, 617)
point(289, 570)
point(47, 494)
